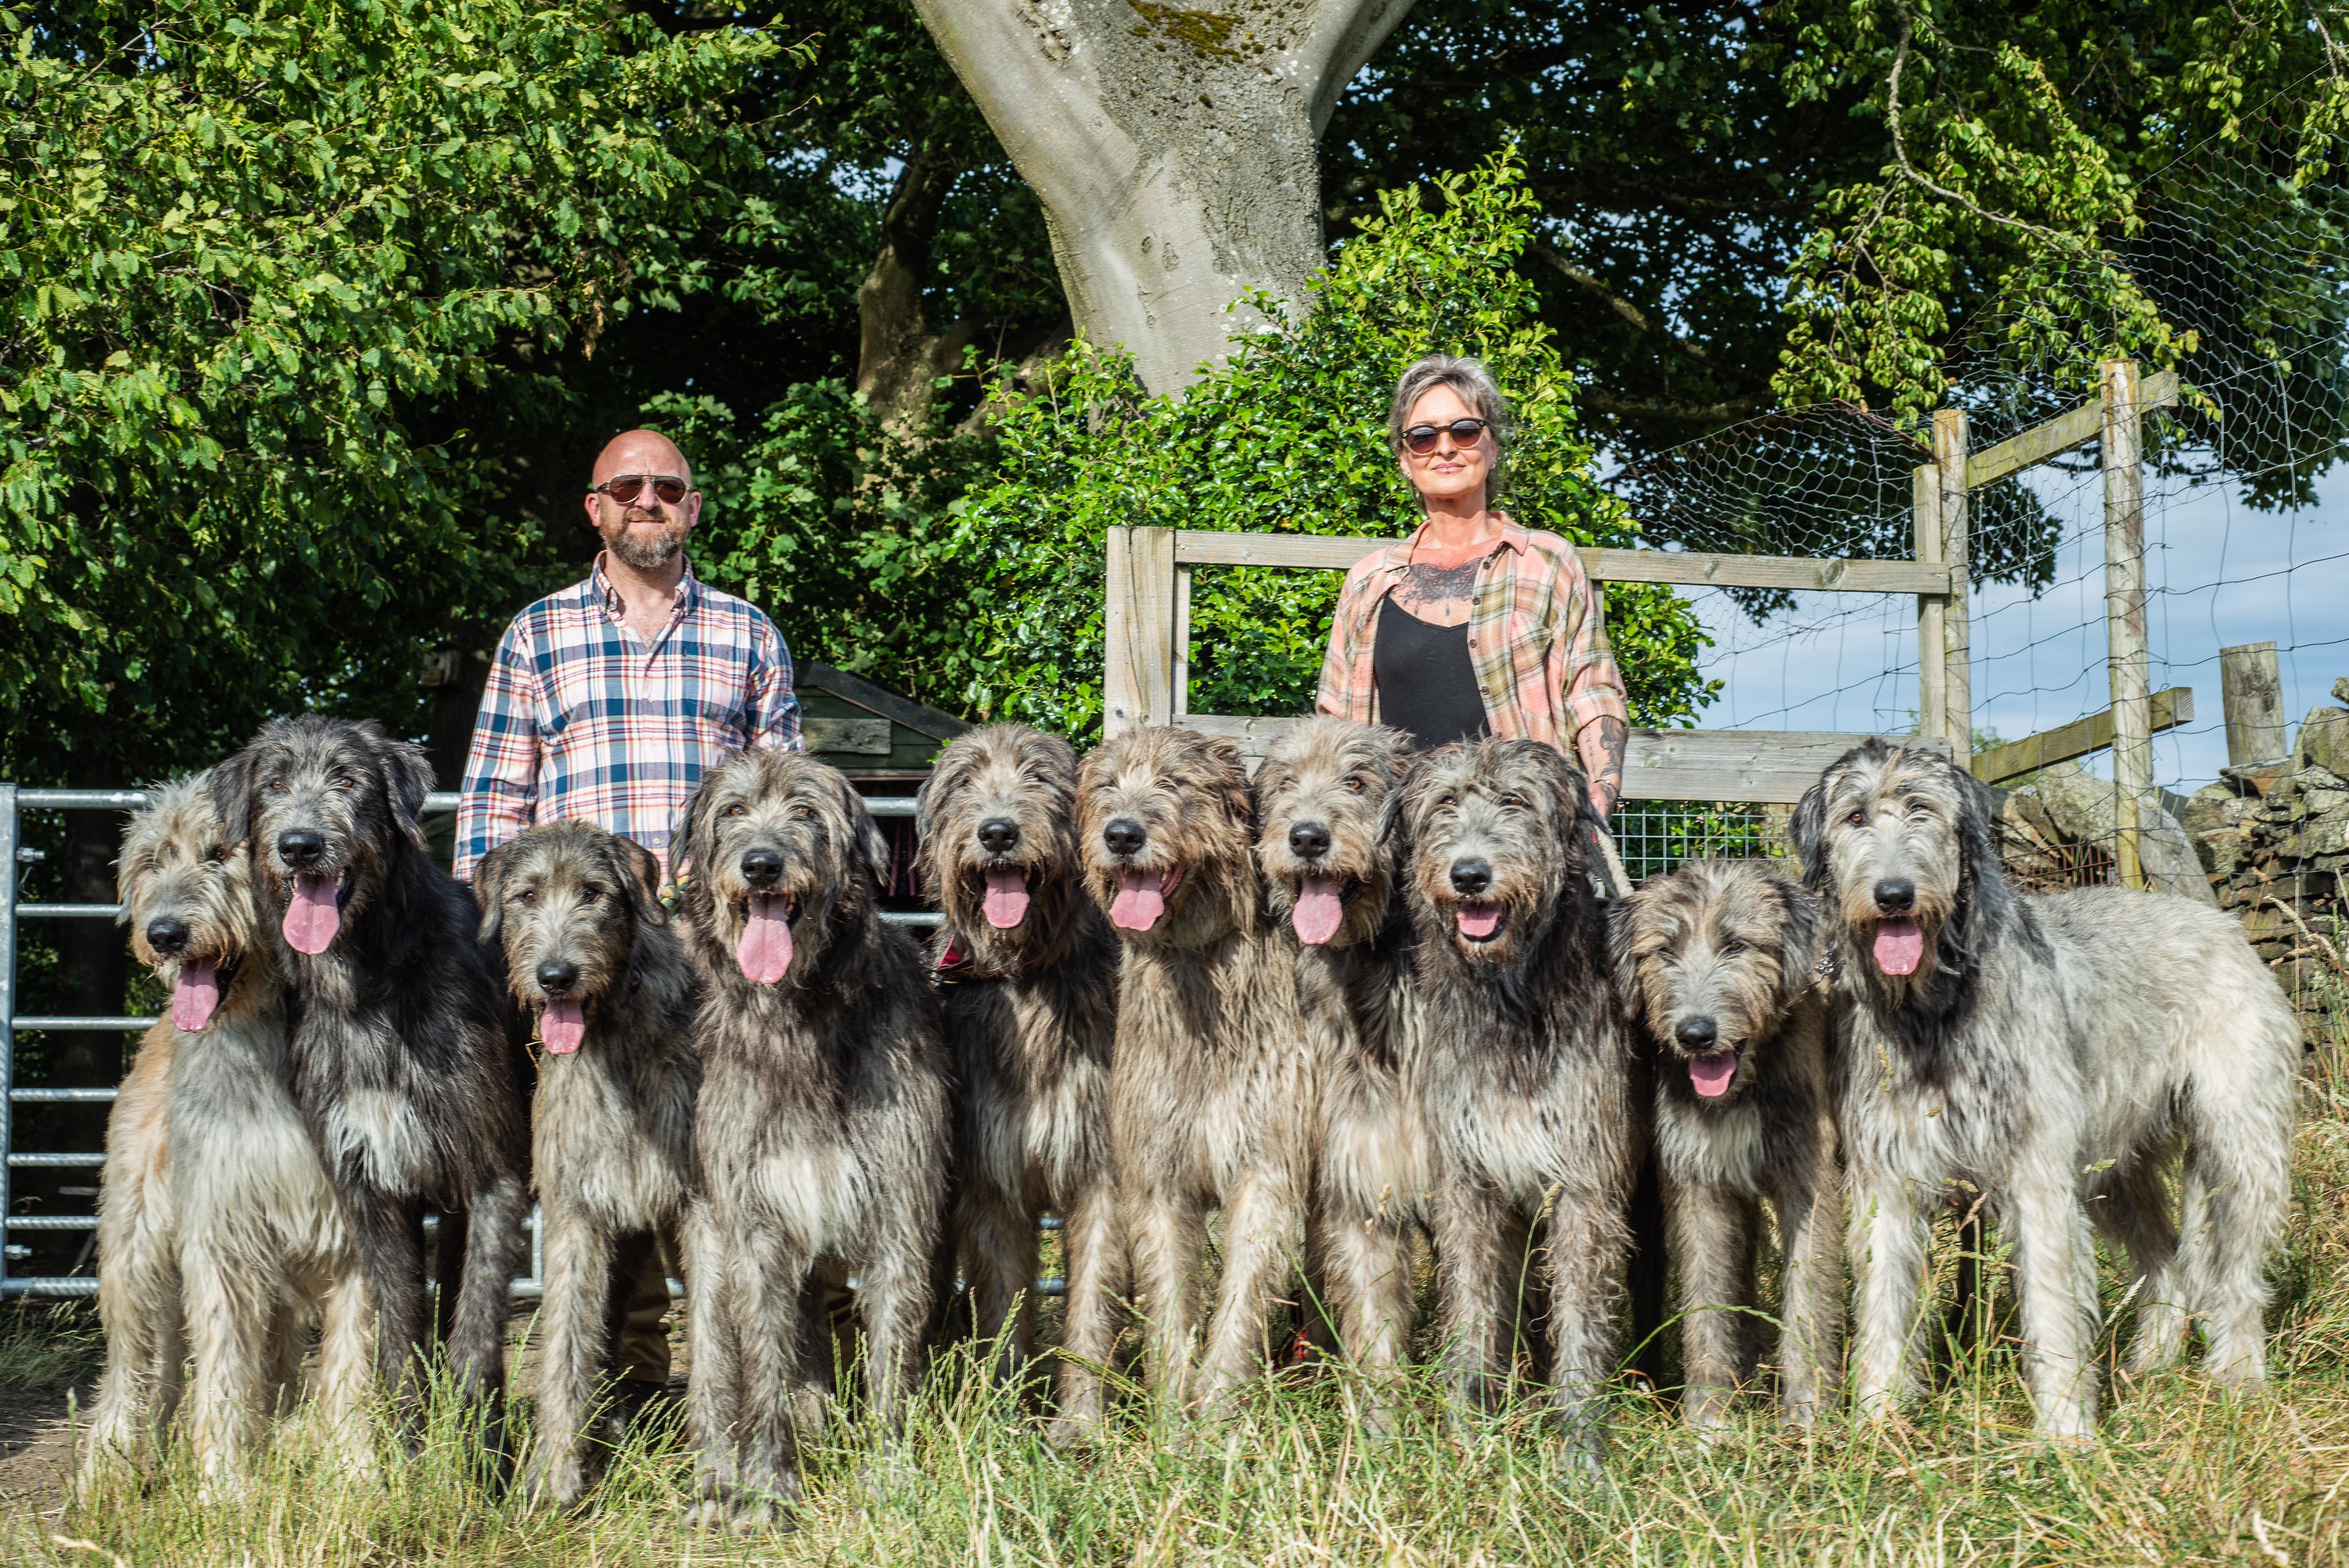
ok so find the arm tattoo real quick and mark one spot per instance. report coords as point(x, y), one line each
point(1602, 742)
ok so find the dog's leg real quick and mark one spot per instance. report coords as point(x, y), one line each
point(290, 1319)
point(574, 1341)
point(346, 1368)
point(1810, 1307)
point(1366, 1267)
point(140, 1304)
point(1168, 1237)
point(1647, 1268)
point(2130, 1207)
point(1000, 1241)
point(494, 1243)
point(1584, 1255)
point(1712, 1236)
point(1482, 1278)
point(2238, 1189)
point(1093, 1248)
point(1263, 1243)
point(893, 1297)
point(230, 1313)
point(713, 1392)
point(1888, 1251)
point(2056, 1293)
point(770, 1333)
point(386, 1235)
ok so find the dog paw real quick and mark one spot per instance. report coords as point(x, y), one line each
point(707, 1513)
point(1073, 1434)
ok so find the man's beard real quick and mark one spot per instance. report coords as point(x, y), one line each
point(644, 550)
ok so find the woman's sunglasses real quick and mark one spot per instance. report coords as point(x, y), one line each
point(1420, 439)
point(624, 488)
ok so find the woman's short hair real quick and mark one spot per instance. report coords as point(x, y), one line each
point(1476, 389)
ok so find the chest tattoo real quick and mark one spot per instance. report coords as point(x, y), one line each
point(1443, 589)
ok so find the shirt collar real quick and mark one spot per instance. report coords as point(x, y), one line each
point(599, 590)
point(1512, 537)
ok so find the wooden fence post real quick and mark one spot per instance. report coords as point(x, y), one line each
point(1932, 693)
point(1957, 679)
point(1138, 624)
point(2250, 682)
point(2132, 675)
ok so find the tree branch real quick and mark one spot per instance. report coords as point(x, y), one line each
point(1917, 177)
point(1591, 282)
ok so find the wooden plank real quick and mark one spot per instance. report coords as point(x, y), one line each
point(1925, 517)
point(879, 700)
point(1770, 767)
point(1181, 651)
point(2077, 739)
point(1957, 718)
point(1336, 553)
point(2125, 630)
point(1138, 667)
point(2061, 434)
point(864, 737)
point(2250, 687)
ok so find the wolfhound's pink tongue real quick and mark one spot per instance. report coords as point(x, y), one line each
point(1007, 897)
point(1141, 899)
point(1478, 921)
point(195, 998)
point(564, 1024)
point(313, 917)
point(765, 951)
point(1900, 946)
point(1319, 910)
point(1710, 1074)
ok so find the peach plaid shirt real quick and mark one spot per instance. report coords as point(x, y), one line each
point(1536, 636)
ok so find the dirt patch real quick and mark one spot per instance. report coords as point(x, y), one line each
point(36, 1451)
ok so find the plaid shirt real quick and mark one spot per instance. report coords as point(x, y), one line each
point(1536, 636)
point(580, 720)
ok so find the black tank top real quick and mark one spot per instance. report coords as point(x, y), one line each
point(1427, 681)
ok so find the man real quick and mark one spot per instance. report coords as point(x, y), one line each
point(608, 701)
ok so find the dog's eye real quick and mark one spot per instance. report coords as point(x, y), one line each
point(346, 784)
point(737, 809)
point(1447, 799)
point(276, 786)
point(219, 853)
point(1731, 948)
point(527, 896)
point(1858, 819)
point(803, 811)
point(591, 894)
point(1355, 785)
point(1513, 802)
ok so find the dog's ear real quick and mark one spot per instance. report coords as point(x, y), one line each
point(1805, 923)
point(1623, 975)
point(644, 873)
point(233, 795)
point(1806, 834)
point(685, 843)
point(488, 889)
point(1232, 786)
point(871, 842)
point(406, 780)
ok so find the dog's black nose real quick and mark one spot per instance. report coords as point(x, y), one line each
point(1124, 836)
point(762, 867)
point(167, 934)
point(1896, 898)
point(1309, 841)
point(1472, 877)
point(556, 976)
point(301, 845)
point(1698, 1035)
point(998, 836)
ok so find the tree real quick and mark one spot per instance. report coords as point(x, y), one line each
point(1172, 149)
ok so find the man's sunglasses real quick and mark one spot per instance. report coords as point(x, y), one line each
point(624, 488)
point(1420, 439)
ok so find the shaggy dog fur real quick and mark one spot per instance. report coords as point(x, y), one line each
point(1716, 964)
point(2054, 1052)
point(1213, 1095)
point(822, 1122)
point(218, 1231)
point(1537, 1108)
point(1327, 793)
point(1030, 973)
point(590, 955)
point(405, 1059)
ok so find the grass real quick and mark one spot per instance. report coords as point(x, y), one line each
point(2181, 1474)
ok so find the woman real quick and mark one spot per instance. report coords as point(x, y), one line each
point(1474, 626)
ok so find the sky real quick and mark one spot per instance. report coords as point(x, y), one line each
point(2218, 574)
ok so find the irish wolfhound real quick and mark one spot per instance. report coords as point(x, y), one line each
point(404, 1065)
point(1030, 971)
point(1213, 1091)
point(1537, 1108)
point(2053, 1050)
point(1716, 962)
point(590, 955)
point(218, 1232)
point(820, 1148)
point(1326, 796)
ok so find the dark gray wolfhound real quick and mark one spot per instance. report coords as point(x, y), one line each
point(822, 1125)
point(1326, 796)
point(1029, 972)
point(2054, 1052)
point(405, 1063)
point(1536, 1106)
point(1213, 1095)
point(1716, 962)
point(218, 1234)
point(590, 955)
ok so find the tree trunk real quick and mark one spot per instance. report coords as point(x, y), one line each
point(1174, 149)
point(899, 358)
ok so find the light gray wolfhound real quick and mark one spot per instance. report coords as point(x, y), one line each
point(406, 1064)
point(1029, 970)
point(1717, 963)
point(1212, 1093)
point(823, 1123)
point(590, 954)
point(2054, 1052)
point(1326, 796)
point(1536, 1105)
point(218, 1232)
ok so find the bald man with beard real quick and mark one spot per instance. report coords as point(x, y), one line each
point(606, 702)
